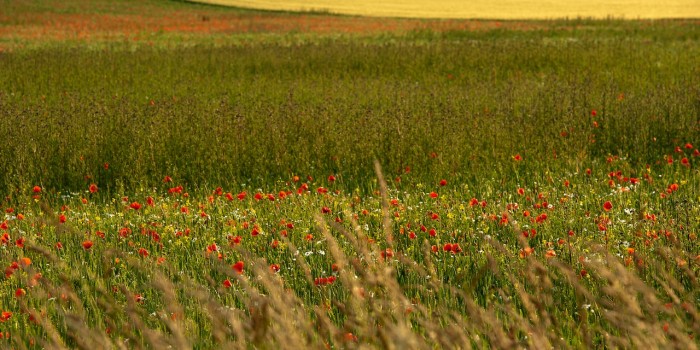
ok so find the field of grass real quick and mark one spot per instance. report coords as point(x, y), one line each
point(498, 9)
point(425, 184)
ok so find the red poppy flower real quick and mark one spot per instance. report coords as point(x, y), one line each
point(517, 158)
point(235, 240)
point(258, 196)
point(227, 283)
point(135, 205)
point(473, 202)
point(143, 252)
point(541, 218)
point(594, 112)
point(93, 188)
point(672, 188)
point(387, 253)
point(274, 267)
point(331, 178)
point(412, 235)
point(36, 189)
point(526, 252)
point(443, 182)
point(6, 315)
point(607, 206)
point(20, 292)
point(124, 232)
point(685, 161)
point(238, 267)
point(447, 247)
point(325, 210)
point(62, 219)
point(456, 248)
point(432, 232)
point(322, 190)
point(87, 244)
point(433, 195)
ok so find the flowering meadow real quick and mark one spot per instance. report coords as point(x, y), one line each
point(457, 184)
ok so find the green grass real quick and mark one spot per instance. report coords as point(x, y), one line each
point(256, 113)
point(249, 112)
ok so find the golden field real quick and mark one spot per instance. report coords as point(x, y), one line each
point(502, 9)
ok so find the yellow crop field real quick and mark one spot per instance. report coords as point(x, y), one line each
point(501, 9)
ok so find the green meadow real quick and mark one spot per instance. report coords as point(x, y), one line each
point(425, 188)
